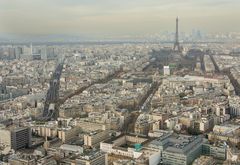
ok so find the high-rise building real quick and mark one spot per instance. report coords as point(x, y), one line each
point(11, 53)
point(20, 138)
point(18, 52)
point(48, 53)
point(16, 138)
point(43, 53)
point(166, 71)
point(26, 53)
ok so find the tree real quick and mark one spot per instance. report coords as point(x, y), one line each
point(193, 131)
point(182, 94)
point(238, 145)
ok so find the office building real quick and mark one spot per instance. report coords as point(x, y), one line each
point(178, 149)
point(93, 159)
point(90, 158)
point(16, 138)
point(94, 138)
point(67, 134)
point(218, 150)
point(166, 70)
point(226, 132)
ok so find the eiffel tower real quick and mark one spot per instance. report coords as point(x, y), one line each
point(176, 46)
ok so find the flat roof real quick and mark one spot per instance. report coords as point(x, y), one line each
point(176, 143)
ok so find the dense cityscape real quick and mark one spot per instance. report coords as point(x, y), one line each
point(171, 98)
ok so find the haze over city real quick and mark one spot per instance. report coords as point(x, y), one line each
point(96, 18)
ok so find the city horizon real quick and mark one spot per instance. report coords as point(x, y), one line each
point(130, 82)
point(92, 19)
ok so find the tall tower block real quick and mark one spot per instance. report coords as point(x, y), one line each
point(176, 46)
point(31, 49)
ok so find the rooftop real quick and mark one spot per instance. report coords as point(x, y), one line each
point(176, 143)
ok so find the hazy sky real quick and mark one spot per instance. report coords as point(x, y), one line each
point(116, 17)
